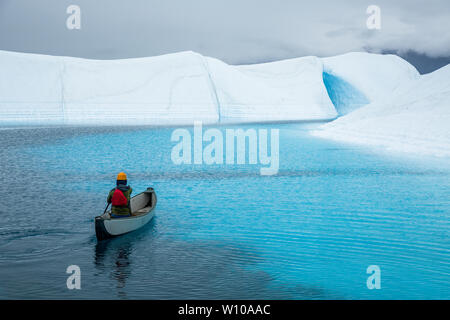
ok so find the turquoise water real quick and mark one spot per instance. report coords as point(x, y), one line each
point(221, 231)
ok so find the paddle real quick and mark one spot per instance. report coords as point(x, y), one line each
point(106, 208)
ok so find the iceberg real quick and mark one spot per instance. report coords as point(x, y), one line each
point(171, 89)
point(413, 118)
point(357, 78)
point(30, 88)
point(374, 75)
point(168, 89)
point(382, 97)
point(278, 91)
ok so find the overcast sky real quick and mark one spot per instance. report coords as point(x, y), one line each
point(236, 31)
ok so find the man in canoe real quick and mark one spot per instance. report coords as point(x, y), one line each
point(119, 197)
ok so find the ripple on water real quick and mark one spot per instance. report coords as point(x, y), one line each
point(20, 245)
point(220, 231)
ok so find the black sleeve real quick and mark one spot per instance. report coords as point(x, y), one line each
point(110, 196)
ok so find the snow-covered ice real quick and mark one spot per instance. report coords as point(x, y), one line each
point(414, 118)
point(30, 91)
point(167, 89)
point(357, 78)
point(176, 88)
point(284, 90)
point(375, 75)
point(183, 87)
point(383, 99)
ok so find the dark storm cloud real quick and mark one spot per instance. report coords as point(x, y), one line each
point(236, 31)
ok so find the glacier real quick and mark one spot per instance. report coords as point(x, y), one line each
point(184, 87)
point(171, 89)
point(373, 99)
point(357, 78)
point(278, 91)
point(414, 118)
point(374, 75)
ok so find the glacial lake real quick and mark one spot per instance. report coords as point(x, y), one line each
point(221, 231)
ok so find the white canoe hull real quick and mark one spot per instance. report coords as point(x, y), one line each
point(116, 227)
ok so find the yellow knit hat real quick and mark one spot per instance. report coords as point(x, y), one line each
point(122, 176)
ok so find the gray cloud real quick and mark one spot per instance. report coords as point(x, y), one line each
point(236, 31)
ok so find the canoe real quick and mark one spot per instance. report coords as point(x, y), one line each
point(142, 212)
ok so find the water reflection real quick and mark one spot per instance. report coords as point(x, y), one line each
point(113, 256)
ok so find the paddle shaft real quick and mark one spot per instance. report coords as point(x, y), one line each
point(106, 208)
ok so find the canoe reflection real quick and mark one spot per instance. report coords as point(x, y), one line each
point(113, 256)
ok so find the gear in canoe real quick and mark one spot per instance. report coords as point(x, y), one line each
point(119, 197)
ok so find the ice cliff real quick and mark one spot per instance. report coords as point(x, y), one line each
point(378, 100)
point(170, 89)
point(183, 87)
point(414, 118)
